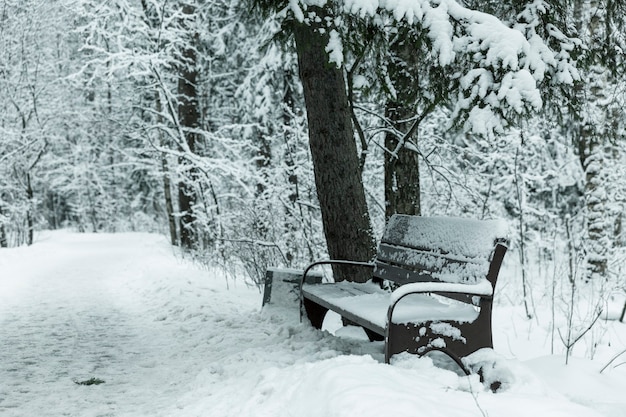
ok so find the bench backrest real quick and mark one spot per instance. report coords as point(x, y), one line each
point(447, 249)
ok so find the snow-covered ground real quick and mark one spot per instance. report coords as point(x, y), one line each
point(169, 338)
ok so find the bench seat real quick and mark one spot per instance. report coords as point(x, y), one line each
point(367, 305)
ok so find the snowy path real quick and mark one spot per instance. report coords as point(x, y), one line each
point(169, 339)
point(70, 316)
point(114, 307)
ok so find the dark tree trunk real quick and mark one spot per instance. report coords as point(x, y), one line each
point(189, 119)
point(167, 183)
point(152, 19)
point(333, 149)
point(169, 206)
point(293, 241)
point(3, 233)
point(186, 201)
point(591, 135)
point(29, 212)
point(263, 163)
point(263, 159)
point(595, 199)
point(287, 116)
point(402, 180)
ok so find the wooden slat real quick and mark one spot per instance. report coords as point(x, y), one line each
point(331, 299)
point(423, 260)
point(456, 236)
point(399, 274)
point(407, 265)
point(403, 276)
point(367, 305)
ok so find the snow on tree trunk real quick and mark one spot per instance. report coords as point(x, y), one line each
point(407, 100)
point(597, 223)
point(593, 131)
point(189, 118)
point(340, 190)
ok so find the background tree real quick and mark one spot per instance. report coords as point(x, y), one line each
point(420, 65)
point(31, 72)
point(601, 27)
point(340, 192)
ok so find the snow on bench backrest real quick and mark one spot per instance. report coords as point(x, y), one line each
point(462, 237)
point(444, 248)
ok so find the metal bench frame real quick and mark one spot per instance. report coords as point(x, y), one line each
point(416, 338)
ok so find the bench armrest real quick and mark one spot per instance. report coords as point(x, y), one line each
point(482, 289)
point(332, 262)
point(327, 262)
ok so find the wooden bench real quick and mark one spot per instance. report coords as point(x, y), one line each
point(444, 272)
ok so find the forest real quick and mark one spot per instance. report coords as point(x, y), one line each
point(259, 132)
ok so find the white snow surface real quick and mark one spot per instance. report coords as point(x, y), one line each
point(481, 288)
point(372, 303)
point(170, 338)
point(473, 239)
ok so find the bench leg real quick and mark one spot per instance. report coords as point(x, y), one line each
point(407, 338)
point(373, 336)
point(315, 313)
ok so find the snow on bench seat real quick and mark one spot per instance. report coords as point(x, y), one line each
point(367, 304)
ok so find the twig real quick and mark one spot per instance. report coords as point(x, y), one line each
point(475, 397)
point(256, 242)
point(569, 344)
point(613, 359)
point(355, 120)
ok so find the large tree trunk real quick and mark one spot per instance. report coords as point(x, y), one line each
point(189, 119)
point(333, 149)
point(402, 180)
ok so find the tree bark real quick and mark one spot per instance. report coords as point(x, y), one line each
point(595, 203)
point(169, 206)
point(3, 233)
point(402, 180)
point(29, 212)
point(591, 135)
point(167, 183)
point(339, 185)
point(189, 119)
